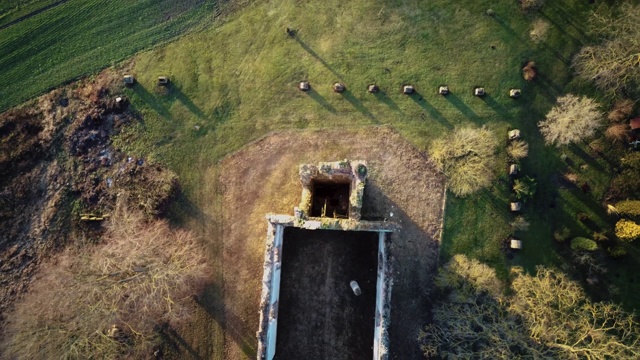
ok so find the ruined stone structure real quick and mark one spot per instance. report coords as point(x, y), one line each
point(332, 194)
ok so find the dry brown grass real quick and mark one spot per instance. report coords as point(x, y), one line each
point(621, 110)
point(105, 301)
point(617, 133)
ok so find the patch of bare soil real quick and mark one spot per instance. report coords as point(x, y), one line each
point(59, 174)
point(319, 316)
point(403, 186)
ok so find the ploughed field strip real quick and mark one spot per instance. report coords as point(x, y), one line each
point(319, 315)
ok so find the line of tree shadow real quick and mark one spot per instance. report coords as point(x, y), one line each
point(493, 104)
point(152, 101)
point(177, 343)
point(432, 111)
point(211, 300)
point(382, 96)
point(226, 318)
point(515, 35)
point(186, 101)
point(542, 85)
point(358, 105)
point(413, 278)
point(588, 159)
point(320, 100)
point(569, 19)
point(311, 52)
point(575, 40)
point(463, 108)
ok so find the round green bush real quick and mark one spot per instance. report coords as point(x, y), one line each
point(617, 251)
point(581, 243)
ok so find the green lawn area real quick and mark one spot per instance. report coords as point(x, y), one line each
point(79, 37)
point(237, 82)
point(12, 10)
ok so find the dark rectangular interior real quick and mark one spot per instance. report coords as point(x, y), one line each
point(319, 317)
point(331, 199)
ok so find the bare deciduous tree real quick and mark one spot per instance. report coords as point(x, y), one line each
point(105, 301)
point(547, 316)
point(572, 119)
point(466, 157)
point(561, 317)
point(472, 321)
point(614, 64)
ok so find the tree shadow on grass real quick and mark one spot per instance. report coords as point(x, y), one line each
point(567, 20)
point(588, 159)
point(321, 100)
point(552, 89)
point(152, 101)
point(432, 111)
point(382, 96)
point(186, 101)
point(493, 104)
point(211, 300)
point(177, 343)
point(228, 320)
point(311, 52)
point(358, 105)
point(521, 39)
point(463, 108)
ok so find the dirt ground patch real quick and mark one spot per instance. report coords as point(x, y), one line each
point(403, 186)
point(319, 317)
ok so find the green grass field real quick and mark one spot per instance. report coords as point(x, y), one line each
point(236, 81)
point(79, 37)
point(12, 11)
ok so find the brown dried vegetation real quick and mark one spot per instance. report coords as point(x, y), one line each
point(621, 110)
point(529, 71)
point(57, 162)
point(106, 301)
point(617, 133)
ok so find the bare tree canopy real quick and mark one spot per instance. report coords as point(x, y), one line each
point(466, 157)
point(105, 302)
point(547, 316)
point(562, 318)
point(614, 64)
point(572, 119)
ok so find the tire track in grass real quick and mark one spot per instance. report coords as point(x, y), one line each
point(31, 14)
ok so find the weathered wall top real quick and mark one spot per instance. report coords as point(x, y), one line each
point(353, 172)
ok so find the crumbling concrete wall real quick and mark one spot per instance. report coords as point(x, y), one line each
point(269, 300)
point(270, 292)
point(352, 171)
